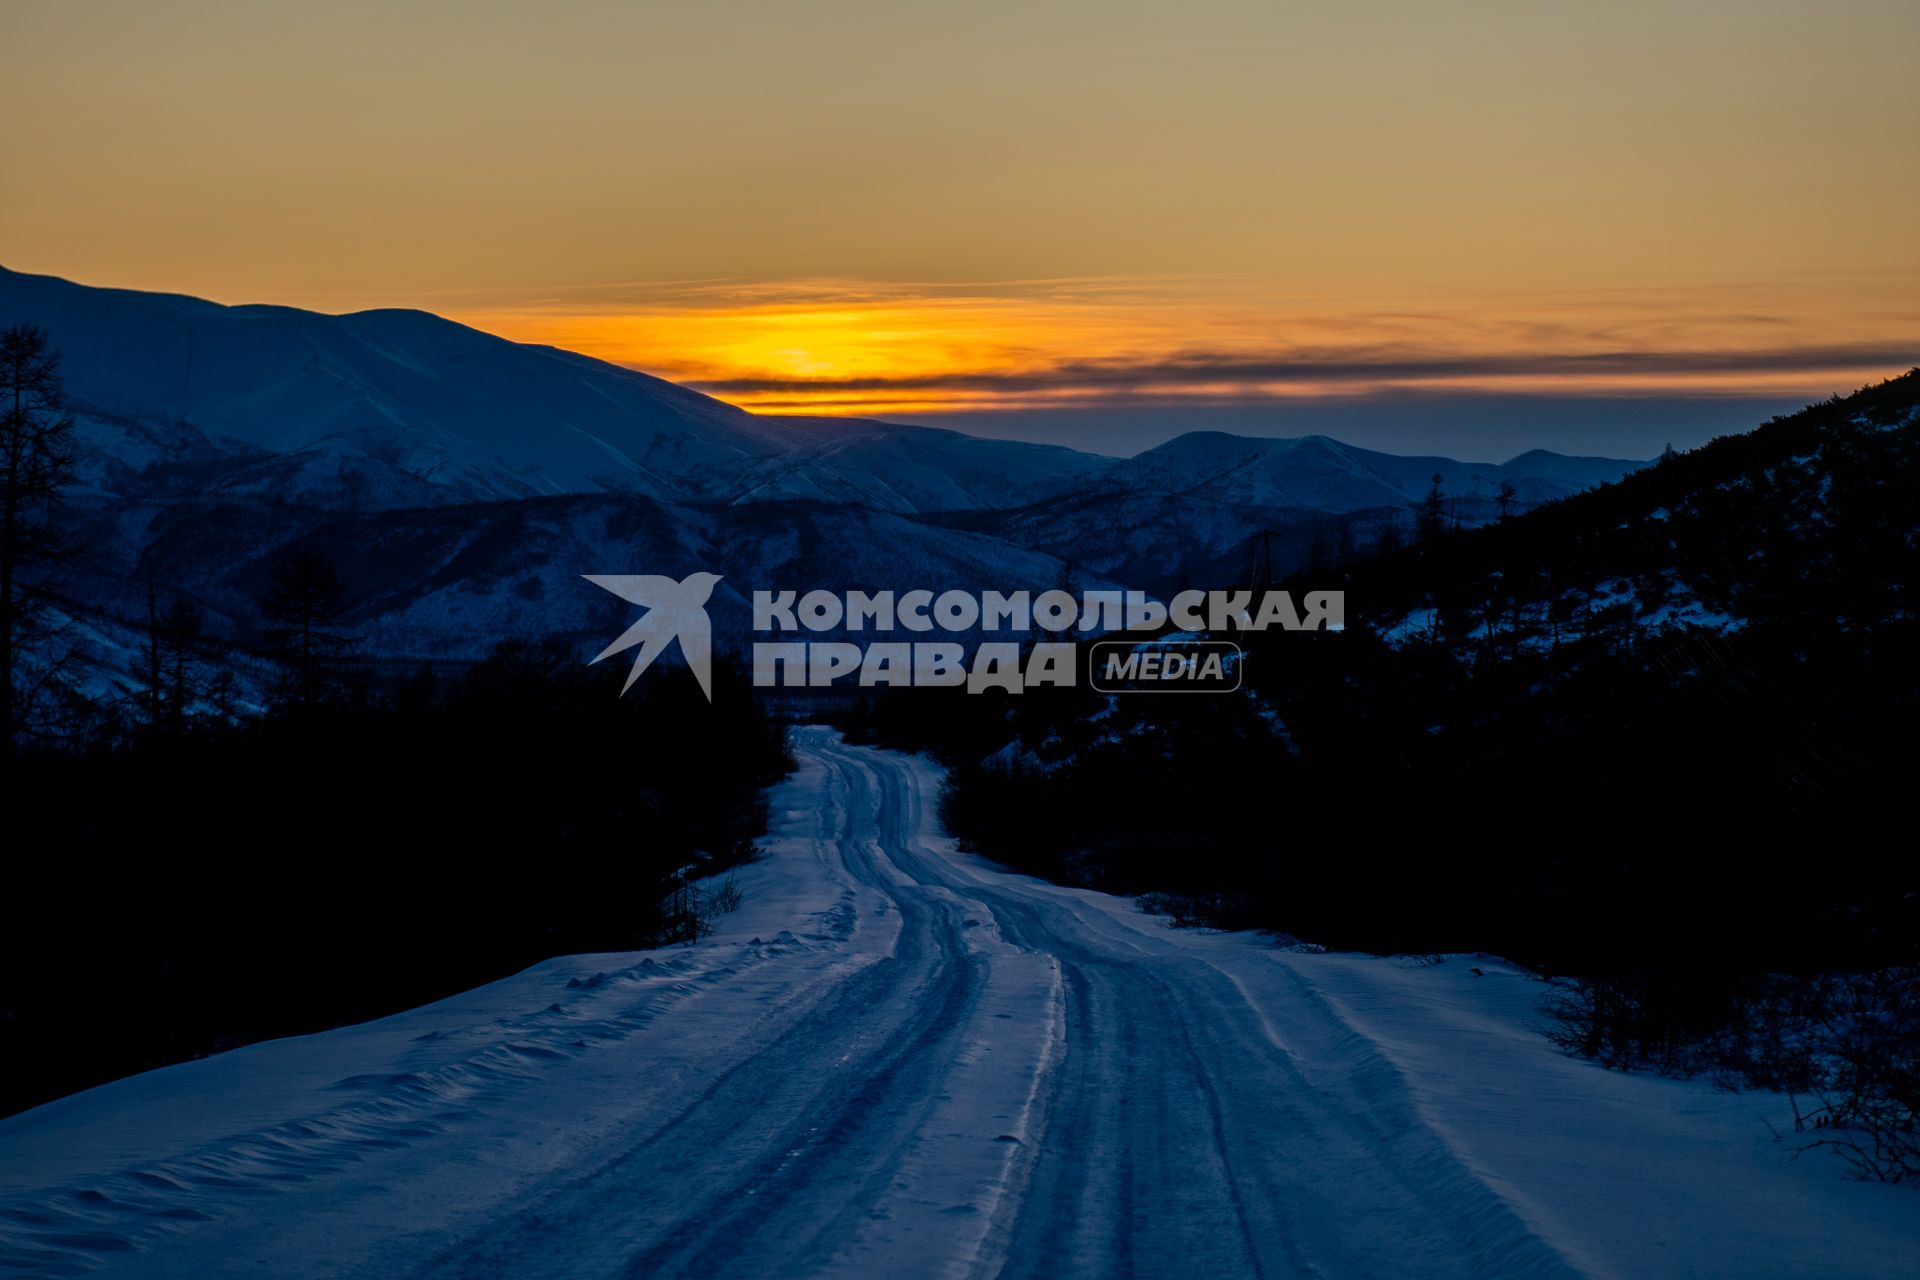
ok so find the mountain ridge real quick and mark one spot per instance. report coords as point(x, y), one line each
point(378, 401)
point(394, 407)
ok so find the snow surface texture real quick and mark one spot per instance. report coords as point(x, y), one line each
point(896, 1059)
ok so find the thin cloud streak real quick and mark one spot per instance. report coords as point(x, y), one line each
point(1379, 368)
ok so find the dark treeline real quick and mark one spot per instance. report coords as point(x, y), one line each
point(180, 892)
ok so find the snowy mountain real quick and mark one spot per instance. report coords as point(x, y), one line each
point(385, 409)
point(1208, 506)
point(1320, 474)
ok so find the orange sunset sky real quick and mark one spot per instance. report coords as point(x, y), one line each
point(914, 209)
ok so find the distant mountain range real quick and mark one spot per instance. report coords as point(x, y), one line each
point(465, 482)
point(1318, 474)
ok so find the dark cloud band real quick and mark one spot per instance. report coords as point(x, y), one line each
point(1201, 370)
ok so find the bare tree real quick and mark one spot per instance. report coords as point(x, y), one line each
point(1433, 512)
point(153, 673)
point(302, 605)
point(185, 627)
point(172, 678)
point(36, 461)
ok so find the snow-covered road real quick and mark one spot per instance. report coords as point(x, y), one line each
point(896, 1059)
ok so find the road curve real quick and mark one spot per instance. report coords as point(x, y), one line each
point(1146, 1121)
point(899, 1060)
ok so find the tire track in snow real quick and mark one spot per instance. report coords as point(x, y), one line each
point(774, 1163)
point(1243, 1164)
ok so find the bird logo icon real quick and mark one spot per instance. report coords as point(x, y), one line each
point(674, 610)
